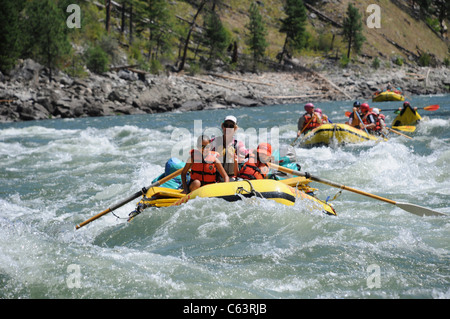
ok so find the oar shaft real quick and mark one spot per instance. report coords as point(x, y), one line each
point(330, 183)
point(411, 208)
point(396, 132)
point(129, 199)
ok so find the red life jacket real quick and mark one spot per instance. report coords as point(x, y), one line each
point(204, 169)
point(316, 122)
point(377, 121)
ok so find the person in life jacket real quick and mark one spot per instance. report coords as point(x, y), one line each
point(353, 119)
point(256, 167)
point(308, 121)
point(369, 119)
point(323, 117)
point(204, 165)
point(381, 118)
point(231, 151)
point(406, 104)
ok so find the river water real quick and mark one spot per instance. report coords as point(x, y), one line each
point(58, 173)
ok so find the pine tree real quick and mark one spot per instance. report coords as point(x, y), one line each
point(353, 30)
point(154, 15)
point(257, 35)
point(47, 33)
point(10, 33)
point(216, 36)
point(294, 25)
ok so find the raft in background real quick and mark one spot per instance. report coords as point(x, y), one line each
point(335, 133)
point(407, 116)
point(285, 192)
point(386, 96)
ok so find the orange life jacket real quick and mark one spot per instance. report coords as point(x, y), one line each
point(253, 169)
point(311, 124)
point(204, 169)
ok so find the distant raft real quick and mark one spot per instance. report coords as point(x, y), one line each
point(337, 134)
point(386, 96)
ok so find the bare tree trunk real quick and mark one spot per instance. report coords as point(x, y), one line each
point(186, 44)
point(108, 14)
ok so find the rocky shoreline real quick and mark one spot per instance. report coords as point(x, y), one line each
point(26, 93)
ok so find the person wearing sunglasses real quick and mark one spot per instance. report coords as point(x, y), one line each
point(231, 151)
point(204, 165)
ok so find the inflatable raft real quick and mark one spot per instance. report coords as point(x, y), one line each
point(387, 96)
point(407, 116)
point(285, 192)
point(336, 134)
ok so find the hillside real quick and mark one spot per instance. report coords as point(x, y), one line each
point(401, 34)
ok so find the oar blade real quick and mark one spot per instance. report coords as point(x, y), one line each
point(418, 210)
point(431, 107)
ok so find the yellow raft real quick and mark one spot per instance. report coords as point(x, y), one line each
point(407, 116)
point(285, 192)
point(387, 96)
point(336, 134)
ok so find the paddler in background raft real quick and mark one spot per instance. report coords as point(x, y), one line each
point(411, 118)
point(308, 121)
point(231, 152)
point(204, 165)
point(323, 118)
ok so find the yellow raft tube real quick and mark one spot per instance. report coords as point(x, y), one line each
point(387, 96)
point(285, 192)
point(335, 133)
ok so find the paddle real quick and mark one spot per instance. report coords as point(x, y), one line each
point(396, 132)
point(129, 199)
point(411, 208)
point(433, 107)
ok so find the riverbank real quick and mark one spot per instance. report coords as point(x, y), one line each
point(26, 93)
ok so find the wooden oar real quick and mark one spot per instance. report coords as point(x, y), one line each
point(411, 208)
point(129, 199)
point(396, 132)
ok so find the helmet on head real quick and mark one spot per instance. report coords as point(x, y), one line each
point(357, 104)
point(406, 104)
point(309, 106)
point(318, 111)
point(264, 148)
point(365, 107)
point(376, 111)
